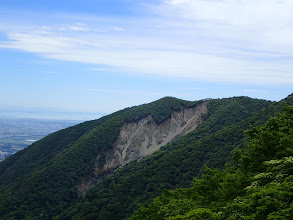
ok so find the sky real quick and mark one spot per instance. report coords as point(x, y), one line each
point(81, 59)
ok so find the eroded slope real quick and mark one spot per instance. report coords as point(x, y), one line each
point(143, 137)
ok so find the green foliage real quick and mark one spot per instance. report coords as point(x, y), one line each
point(56, 164)
point(173, 166)
point(261, 187)
point(160, 109)
point(270, 141)
point(199, 214)
point(170, 203)
point(43, 177)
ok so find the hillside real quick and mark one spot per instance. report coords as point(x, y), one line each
point(49, 171)
point(175, 165)
point(260, 186)
point(48, 177)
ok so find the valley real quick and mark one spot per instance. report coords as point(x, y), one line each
point(18, 133)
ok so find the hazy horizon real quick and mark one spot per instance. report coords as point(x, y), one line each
point(48, 114)
point(59, 113)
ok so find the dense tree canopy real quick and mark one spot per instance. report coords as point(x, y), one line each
point(260, 186)
point(174, 165)
point(41, 181)
point(43, 178)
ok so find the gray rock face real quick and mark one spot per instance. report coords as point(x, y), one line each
point(140, 139)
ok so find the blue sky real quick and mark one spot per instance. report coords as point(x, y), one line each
point(95, 57)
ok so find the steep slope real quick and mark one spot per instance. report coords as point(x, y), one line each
point(54, 178)
point(116, 196)
point(141, 138)
point(259, 187)
point(38, 154)
point(48, 172)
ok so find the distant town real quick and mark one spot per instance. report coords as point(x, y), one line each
point(18, 133)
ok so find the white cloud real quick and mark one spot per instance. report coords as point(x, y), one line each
point(224, 40)
point(42, 42)
point(77, 28)
point(265, 22)
point(46, 28)
point(80, 24)
point(118, 29)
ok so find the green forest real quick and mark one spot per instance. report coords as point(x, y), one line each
point(232, 166)
point(258, 186)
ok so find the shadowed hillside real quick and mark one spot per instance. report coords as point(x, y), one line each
point(44, 180)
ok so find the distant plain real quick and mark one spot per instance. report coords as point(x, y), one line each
point(18, 133)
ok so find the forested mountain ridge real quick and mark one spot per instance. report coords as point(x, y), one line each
point(176, 164)
point(56, 164)
point(259, 186)
point(141, 138)
point(49, 147)
point(48, 172)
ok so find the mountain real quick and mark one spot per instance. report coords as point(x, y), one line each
point(259, 186)
point(146, 149)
